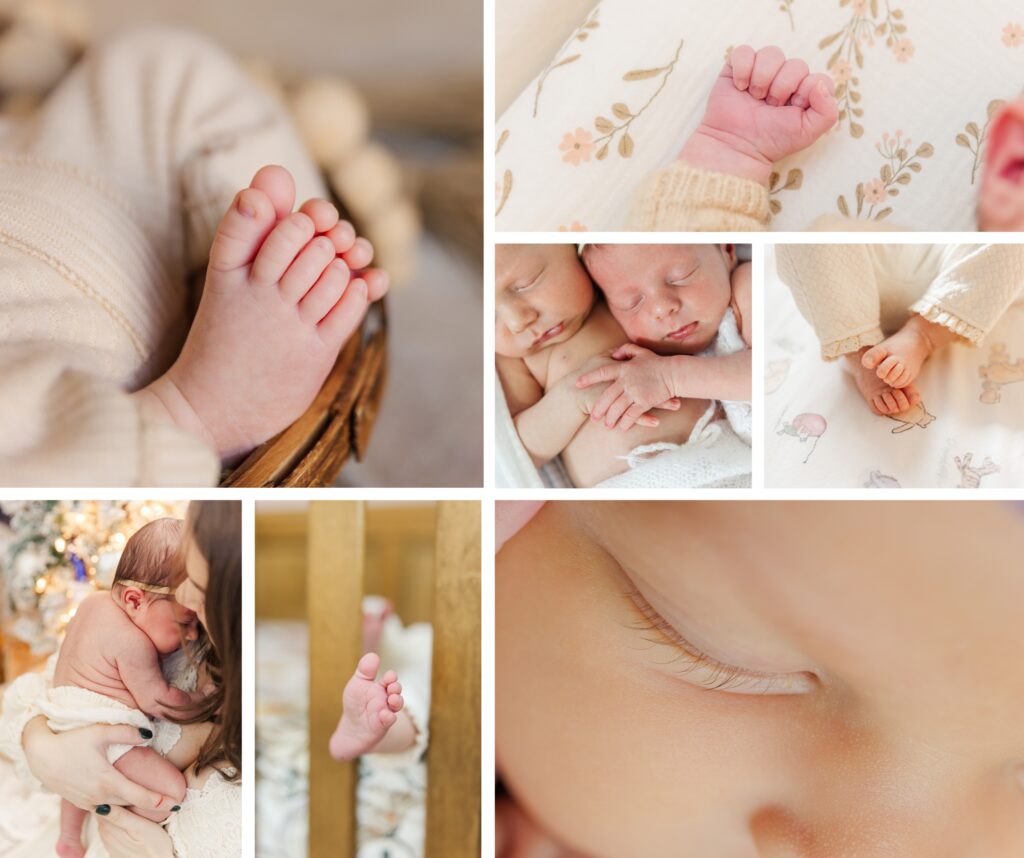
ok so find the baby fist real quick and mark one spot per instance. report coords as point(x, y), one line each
point(762, 108)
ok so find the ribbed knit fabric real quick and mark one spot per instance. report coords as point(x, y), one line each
point(854, 295)
point(681, 198)
point(109, 197)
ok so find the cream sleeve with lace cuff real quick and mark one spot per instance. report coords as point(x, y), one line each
point(683, 198)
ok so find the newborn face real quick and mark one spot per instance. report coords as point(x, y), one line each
point(166, 622)
point(542, 297)
point(1001, 200)
point(669, 298)
point(765, 679)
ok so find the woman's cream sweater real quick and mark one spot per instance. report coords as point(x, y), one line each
point(109, 196)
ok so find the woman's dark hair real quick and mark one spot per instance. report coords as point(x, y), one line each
point(214, 528)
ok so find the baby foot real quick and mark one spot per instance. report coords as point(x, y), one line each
point(69, 846)
point(898, 359)
point(280, 300)
point(882, 398)
point(762, 108)
point(368, 709)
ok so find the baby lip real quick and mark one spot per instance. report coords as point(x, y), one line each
point(549, 333)
point(683, 332)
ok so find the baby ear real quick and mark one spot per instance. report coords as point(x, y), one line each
point(729, 252)
point(1004, 123)
point(131, 598)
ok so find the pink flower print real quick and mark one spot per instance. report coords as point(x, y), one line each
point(575, 226)
point(903, 49)
point(841, 71)
point(1013, 35)
point(578, 147)
point(860, 8)
point(874, 192)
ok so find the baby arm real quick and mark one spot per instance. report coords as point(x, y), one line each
point(640, 376)
point(547, 422)
point(139, 668)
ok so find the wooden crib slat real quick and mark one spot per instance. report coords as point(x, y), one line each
point(334, 596)
point(453, 774)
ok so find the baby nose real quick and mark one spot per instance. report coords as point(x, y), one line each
point(665, 305)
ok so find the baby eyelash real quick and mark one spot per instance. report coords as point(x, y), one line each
point(706, 671)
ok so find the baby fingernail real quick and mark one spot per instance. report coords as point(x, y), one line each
point(145, 733)
point(797, 101)
point(103, 809)
point(246, 209)
point(773, 102)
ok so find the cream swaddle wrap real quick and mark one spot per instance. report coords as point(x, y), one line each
point(67, 708)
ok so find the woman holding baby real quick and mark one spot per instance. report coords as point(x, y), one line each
point(74, 764)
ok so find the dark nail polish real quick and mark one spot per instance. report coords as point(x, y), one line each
point(176, 808)
point(145, 733)
point(103, 809)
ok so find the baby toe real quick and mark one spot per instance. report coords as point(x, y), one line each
point(279, 186)
point(343, 234)
point(387, 717)
point(395, 702)
point(368, 665)
point(394, 688)
point(242, 230)
point(889, 369)
point(323, 214)
point(378, 281)
point(902, 404)
point(307, 268)
point(360, 255)
point(339, 324)
point(326, 292)
point(890, 403)
point(873, 357)
point(283, 244)
point(388, 678)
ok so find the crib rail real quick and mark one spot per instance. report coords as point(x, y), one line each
point(334, 594)
point(453, 767)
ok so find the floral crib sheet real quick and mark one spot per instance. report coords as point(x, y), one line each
point(917, 83)
point(820, 433)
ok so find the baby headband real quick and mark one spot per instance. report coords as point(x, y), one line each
point(149, 588)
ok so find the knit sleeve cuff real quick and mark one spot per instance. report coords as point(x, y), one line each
point(682, 197)
point(933, 312)
point(853, 343)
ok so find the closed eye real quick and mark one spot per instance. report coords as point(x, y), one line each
point(700, 669)
point(526, 284)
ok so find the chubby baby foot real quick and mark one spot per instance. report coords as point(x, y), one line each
point(762, 108)
point(880, 396)
point(280, 300)
point(369, 707)
point(898, 359)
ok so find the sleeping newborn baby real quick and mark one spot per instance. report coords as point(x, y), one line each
point(550, 328)
point(108, 671)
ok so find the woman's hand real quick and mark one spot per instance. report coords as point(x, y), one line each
point(74, 765)
point(126, 835)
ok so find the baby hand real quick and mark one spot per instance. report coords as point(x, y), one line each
point(762, 108)
point(639, 382)
point(589, 391)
